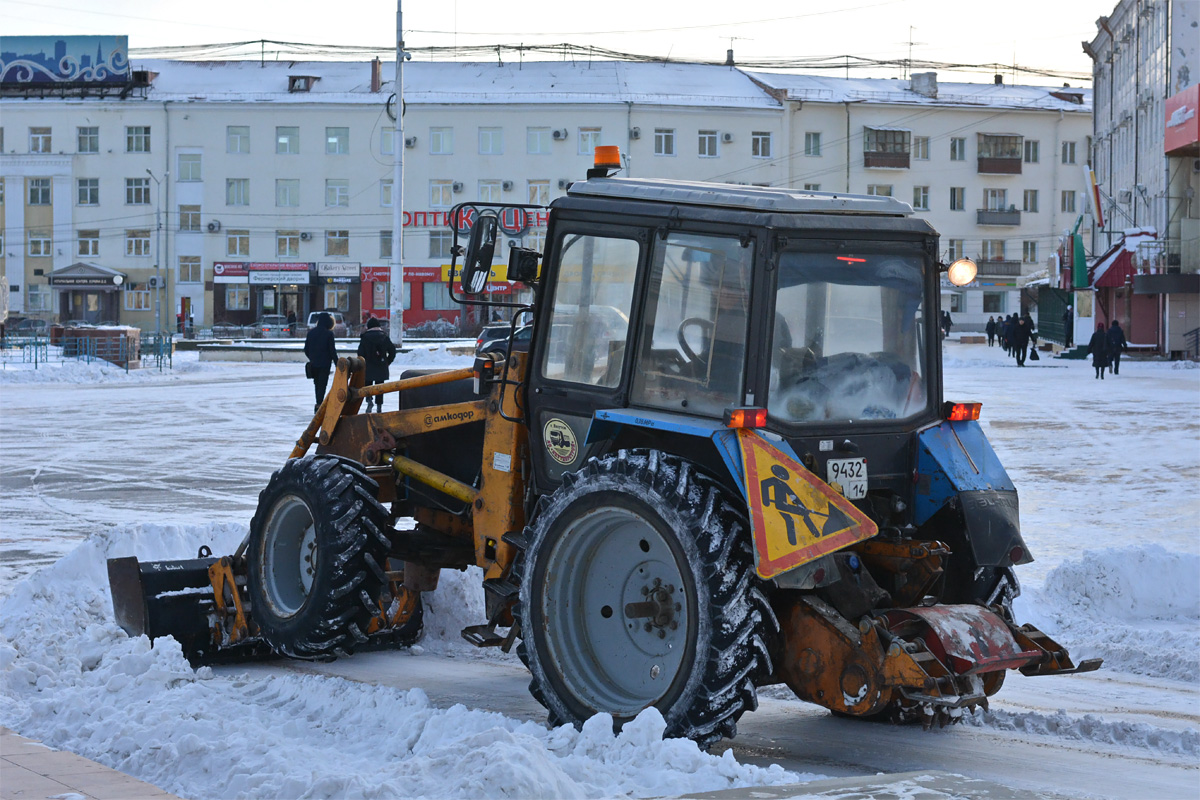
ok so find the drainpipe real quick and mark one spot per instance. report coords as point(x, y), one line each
point(846, 103)
point(629, 138)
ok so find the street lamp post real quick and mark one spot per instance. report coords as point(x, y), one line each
point(157, 253)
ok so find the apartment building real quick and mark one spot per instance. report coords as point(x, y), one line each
point(227, 190)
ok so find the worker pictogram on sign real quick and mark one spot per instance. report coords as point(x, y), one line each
point(795, 517)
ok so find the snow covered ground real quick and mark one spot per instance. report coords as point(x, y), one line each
point(95, 463)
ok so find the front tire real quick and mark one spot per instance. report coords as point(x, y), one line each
point(316, 554)
point(637, 589)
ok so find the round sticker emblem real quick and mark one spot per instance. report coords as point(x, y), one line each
point(560, 441)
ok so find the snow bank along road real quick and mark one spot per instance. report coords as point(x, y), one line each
point(96, 464)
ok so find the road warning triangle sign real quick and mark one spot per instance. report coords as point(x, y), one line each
point(795, 517)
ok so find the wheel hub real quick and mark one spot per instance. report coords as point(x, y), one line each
point(653, 608)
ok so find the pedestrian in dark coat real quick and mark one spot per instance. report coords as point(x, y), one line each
point(990, 330)
point(1020, 340)
point(947, 324)
point(377, 350)
point(1006, 334)
point(321, 350)
point(1098, 348)
point(1116, 343)
point(1069, 326)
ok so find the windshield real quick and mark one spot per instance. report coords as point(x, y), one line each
point(848, 341)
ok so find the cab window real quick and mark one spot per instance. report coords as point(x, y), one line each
point(592, 301)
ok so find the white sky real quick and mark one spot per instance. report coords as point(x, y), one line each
point(1036, 33)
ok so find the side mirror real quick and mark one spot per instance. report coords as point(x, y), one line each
point(481, 248)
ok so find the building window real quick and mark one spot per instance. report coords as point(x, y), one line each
point(921, 198)
point(812, 143)
point(440, 243)
point(1029, 201)
point(537, 141)
point(337, 297)
point(88, 191)
point(385, 244)
point(137, 243)
point(137, 191)
point(337, 243)
point(539, 193)
point(920, 148)
point(89, 139)
point(189, 269)
point(40, 244)
point(536, 239)
point(40, 298)
point(954, 250)
point(137, 299)
point(237, 191)
point(39, 140)
point(287, 140)
point(491, 142)
point(237, 243)
point(589, 140)
point(1029, 253)
point(995, 199)
point(287, 244)
point(237, 139)
point(991, 250)
point(708, 144)
point(1032, 151)
point(237, 297)
point(337, 193)
point(995, 146)
point(1068, 152)
point(958, 198)
point(39, 191)
point(89, 243)
point(886, 147)
point(760, 144)
point(189, 218)
point(387, 142)
point(189, 167)
point(385, 192)
point(958, 149)
point(337, 141)
point(993, 302)
point(436, 298)
point(664, 141)
point(440, 194)
point(812, 187)
point(287, 192)
point(880, 189)
point(958, 303)
point(489, 191)
point(441, 141)
point(137, 138)
point(1068, 202)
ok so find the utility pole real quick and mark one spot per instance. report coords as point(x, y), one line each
point(157, 253)
point(396, 279)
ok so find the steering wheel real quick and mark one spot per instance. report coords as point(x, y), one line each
point(706, 329)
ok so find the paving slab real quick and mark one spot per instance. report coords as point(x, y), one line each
point(30, 770)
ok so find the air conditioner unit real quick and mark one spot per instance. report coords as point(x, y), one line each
point(410, 142)
point(152, 283)
point(456, 186)
point(305, 236)
point(726, 137)
point(1125, 197)
point(635, 133)
point(506, 185)
point(514, 243)
point(1196, 165)
point(563, 183)
point(559, 133)
point(214, 226)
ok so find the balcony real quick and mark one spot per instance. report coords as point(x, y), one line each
point(999, 166)
point(886, 160)
point(985, 216)
point(996, 269)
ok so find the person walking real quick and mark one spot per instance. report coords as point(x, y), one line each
point(1116, 343)
point(1098, 348)
point(947, 324)
point(321, 350)
point(1069, 327)
point(990, 330)
point(377, 350)
point(1020, 340)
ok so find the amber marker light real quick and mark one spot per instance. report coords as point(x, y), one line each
point(608, 156)
point(745, 417)
point(961, 412)
point(962, 272)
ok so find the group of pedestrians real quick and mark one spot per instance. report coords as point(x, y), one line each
point(1016, 335)
point(374, 346)
point(1106, 347)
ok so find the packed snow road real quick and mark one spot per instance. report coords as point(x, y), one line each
point(95, 465)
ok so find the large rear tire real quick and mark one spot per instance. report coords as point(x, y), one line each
point(637, 589)
point(316, 554)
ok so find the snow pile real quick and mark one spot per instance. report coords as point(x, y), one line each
point(1137, 607)
point(1093, 729)
point(75, 370)
point(74, 680)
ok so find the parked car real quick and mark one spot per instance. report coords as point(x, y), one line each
point(31, 327)
point(271, 326)
point(339, 322)
point(520, 341)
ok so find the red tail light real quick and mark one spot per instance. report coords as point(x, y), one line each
point(960, 412)
point(745, 417)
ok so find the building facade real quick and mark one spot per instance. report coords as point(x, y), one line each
point(223, 191)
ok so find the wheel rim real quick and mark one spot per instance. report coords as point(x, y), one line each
point(616, 611)
point(289, 556)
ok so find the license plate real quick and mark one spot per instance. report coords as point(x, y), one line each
point(850, 474)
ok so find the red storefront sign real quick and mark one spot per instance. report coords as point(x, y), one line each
point(1182, 132)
